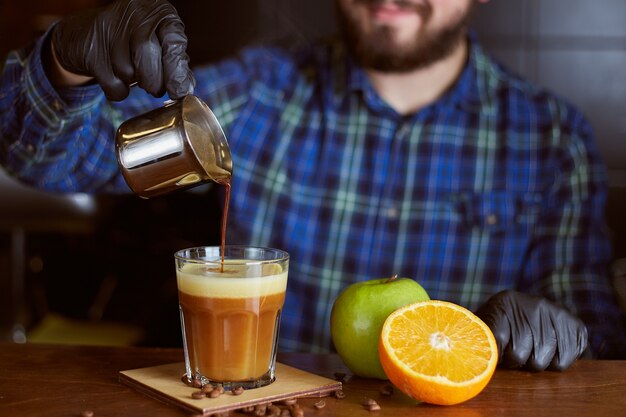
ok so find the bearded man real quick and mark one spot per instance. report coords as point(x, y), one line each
point(401, 148)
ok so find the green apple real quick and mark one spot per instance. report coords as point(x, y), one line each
point(358, 315)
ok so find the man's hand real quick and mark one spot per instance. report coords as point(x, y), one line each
point(129, 41)
point(533, 332)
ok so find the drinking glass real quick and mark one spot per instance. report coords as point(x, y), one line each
point(230, 305)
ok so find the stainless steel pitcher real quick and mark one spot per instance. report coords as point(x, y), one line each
point(176, 146)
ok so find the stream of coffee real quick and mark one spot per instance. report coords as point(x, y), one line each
point(227, 187)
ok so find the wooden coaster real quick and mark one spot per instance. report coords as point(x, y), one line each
point(163, 383)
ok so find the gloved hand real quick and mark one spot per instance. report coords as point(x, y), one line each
point(128, 41)
point(532, 332)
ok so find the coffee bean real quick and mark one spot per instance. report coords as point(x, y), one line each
point(196, 395)
point(185, 380)
point(247, 410)
point(339, 394)
point(371, 404)
point(289, 401)
point(260, 409)
point(373, 407)
point(296, 411)
point(196, 383)
point(285, 413)
point(238, 390)
point(214, 393)
point(386, 390)
point(340, 376)
point(207, 388)
point(319, 404)
point(86, 413)
point(273, 411)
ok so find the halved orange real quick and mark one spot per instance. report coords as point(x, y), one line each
point(437, 352)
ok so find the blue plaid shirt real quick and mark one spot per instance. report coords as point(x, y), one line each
point(497, 185)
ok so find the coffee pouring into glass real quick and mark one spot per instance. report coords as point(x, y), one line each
point(173, 147)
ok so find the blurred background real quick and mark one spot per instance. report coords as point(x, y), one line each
point(99, 269)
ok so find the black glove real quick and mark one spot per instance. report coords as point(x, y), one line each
point(533, 332)
point(128, 41)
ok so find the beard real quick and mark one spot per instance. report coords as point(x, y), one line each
point(380, 51)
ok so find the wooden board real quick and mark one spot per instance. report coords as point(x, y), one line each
point(163, 383)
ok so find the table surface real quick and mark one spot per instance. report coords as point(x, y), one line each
point(61, 380)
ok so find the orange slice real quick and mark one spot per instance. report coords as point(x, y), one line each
point(437, 352)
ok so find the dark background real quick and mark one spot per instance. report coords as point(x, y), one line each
point(108, 259)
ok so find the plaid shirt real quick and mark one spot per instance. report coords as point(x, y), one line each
point(497, 185)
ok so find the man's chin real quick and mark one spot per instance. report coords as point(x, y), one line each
point(387, 52)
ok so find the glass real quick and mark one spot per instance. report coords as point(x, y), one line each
point(230, 312)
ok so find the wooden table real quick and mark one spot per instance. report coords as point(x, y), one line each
point(51, 380)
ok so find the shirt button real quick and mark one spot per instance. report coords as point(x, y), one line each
point(57, 105)
point(30, 148)
point(492, 219)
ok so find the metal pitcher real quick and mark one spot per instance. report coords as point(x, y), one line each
point(176, 146)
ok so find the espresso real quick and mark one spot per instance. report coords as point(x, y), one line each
point(230, 318)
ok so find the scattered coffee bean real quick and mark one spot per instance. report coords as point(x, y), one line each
point(319, 404)
point(371, 404)
point(289, 401)
point(339, 394)
point(273, 411)
point(238, 390)
point(196, 383)
point(340, 376)
point(247, 410)
point(386, 390)
point(184, 379)
point(296, 411)
point(86, 413)
point(260, 409)
point(196, 395)
point(373, 407)
point(214, 393)
point(285, 412)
